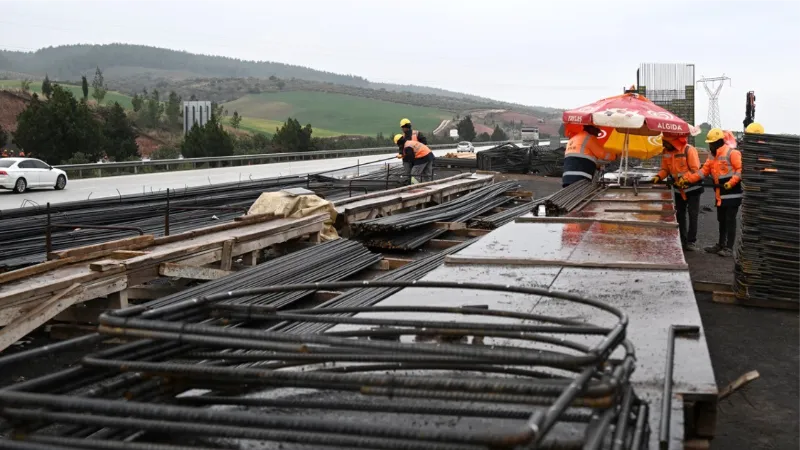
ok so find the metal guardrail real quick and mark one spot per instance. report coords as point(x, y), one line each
point(264, 158)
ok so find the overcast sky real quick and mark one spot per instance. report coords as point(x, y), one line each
point(560, 54)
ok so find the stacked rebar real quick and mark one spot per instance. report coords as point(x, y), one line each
point(359, 384)
point(546, 161)
point(456, 163)
point(505, 158)
point(501, 218)
point(568, 198)
point(768, 254)
point(445, 212)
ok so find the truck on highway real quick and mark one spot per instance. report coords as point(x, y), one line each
point(530, 135)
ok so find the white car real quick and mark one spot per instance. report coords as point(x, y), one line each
point(19, 174)
point(465, 146)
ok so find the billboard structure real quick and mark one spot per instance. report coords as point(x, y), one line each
point(195, 112)
point(670, 86)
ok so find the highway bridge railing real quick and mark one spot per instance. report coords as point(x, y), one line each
point(166, 165)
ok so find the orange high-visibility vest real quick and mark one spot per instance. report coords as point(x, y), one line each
point(725, 167)
point(680, 164)
point(420, 150)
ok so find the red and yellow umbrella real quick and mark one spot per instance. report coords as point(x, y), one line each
point(630, 124)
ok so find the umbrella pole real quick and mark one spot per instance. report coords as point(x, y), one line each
point(625, 157)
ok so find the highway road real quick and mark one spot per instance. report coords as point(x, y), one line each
point(133, 184)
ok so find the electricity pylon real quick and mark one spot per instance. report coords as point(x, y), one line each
point(713, 88)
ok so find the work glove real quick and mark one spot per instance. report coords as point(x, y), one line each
point(656, 179)
point(727, 185)
point(399, 156)
point(682, 183)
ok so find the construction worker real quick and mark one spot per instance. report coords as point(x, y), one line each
point(583, 156)
point(725, 166)
point(754, 128)
point(412, 135)
point(417, 158)
point(679, 160)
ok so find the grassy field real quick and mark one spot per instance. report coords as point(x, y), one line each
point(335, 113)
point(36, 86)
point(268, 127)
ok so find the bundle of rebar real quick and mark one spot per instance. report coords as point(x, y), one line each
point(456, 163)
point(490, 379)
point(445, 212)
point(569, 198)
point(768, 251)
point(505, 158)
point(501, 218)
point(546, 161)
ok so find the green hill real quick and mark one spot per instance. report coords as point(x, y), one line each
point(336, 113)
point(36, 86)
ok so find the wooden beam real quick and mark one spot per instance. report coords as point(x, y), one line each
point(126, 254)
point(35, 318)
point(104, 265)
point(526, 194)
point(34, 270)
point(471, 232)
point(241, 222)
point(710, 286)
point(251, 258)
point(634, 200)
point(118, 300)
point(442, 243)
point(323, 296)
point(567, 219)
point(729, 298)
point(655, 212)
point(191, 272)
point(226, 260)
point(132, 243)
point(391, 263)
point(511, 261)
point(450, 225)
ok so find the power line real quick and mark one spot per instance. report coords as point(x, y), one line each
point(713, 88)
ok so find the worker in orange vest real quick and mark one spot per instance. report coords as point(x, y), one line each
point(583, 156)
point(417, 158)
point(679, 160)
point(724, 165)
point(412, 135)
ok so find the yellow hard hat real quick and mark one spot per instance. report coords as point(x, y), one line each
point(397, 138)
point(755, 128)
point(405, 122)
point(714, 135)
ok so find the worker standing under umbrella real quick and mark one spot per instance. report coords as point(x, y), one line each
point(725, 166)
point(584, 155)
point(678, 161)
point(411, 134)
point(417, 159)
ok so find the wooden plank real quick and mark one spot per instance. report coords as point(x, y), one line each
point(729, 298)
point(567, 219)
point(131, 243)
point(250, 259)
point(442, 243)
point(526, 194)
point(510, 261)
point(241, 221)
point(28, 291)
point(471, 232)
point(191, 272)
point(655, 212)
point(35, 318)
point(226, 260)
point(324, 296)
point(697, 444)
point(634, 200)
point(104, 265)
point(710, 286)
point(126, 254)
point(391, 263)
point(371, 195)
point(34, 270)
point(450, 225)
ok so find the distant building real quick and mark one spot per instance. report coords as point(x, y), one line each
point(195, 112)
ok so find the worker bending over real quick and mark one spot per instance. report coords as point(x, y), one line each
point(725, 166)
point(678, 161)
point(583, 156)
point(412, 135)
point(417, 158)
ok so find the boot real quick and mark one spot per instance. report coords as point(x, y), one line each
point(725, 253)
point(713, 249)
point(690, 247)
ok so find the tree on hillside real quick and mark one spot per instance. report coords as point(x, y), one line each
point(236, 119)
point(498, 134)
point(483, 137)
point(218, 111)
point(466, 129)
point(85, 87)
point(120, 137)
point(137, 102)
point(208, 140)
point(55, 129)
point(3, 137)
point(281, 84)
point(25, 85)
point(173, 111)
point(99, 86)
point(292, 137)
point(47, 86)
point(152, 110)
